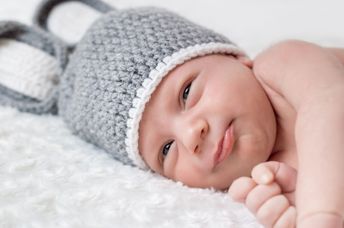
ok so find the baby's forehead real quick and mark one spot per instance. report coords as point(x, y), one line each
point(170, 84)
point(194, 64)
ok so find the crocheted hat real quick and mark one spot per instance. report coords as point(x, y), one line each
point(116, 67)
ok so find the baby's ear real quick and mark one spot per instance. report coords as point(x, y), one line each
point(246, 61)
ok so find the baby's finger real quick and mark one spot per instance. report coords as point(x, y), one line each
point(260, 194)
point(287, 219)
point(272, 210)
point(262, 173)
point(291, 197)
point(279, 172)
point(240, 188)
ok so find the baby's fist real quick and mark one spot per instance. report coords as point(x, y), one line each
point(282, 174)
point(265, 201)
point(269, 194)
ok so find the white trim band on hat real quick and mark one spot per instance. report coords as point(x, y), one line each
point(155, 76)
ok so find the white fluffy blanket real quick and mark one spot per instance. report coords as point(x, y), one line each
point(51, 178)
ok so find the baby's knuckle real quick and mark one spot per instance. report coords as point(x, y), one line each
point(240, 188)
point(287, 219)
point(260, 194)
point(276, 206)
point(242, 183)
point(264, 219)
point(252, 203)
point(282, 200)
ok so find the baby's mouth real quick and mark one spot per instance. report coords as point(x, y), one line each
point(225, 145)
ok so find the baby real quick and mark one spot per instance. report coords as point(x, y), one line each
point(159, 92)
point(215, 118)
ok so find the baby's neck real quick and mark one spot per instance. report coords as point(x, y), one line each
point(284, 149)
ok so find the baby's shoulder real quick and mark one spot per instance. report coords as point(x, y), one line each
point(298, 70)
point(274, 62)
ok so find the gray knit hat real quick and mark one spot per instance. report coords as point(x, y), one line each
point(116, 67)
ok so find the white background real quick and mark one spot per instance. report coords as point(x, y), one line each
point(253, 24)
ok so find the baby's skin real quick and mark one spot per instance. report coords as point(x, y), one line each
point(270, 130)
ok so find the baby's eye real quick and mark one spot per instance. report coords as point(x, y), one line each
point(186, 92)
point(166, 149)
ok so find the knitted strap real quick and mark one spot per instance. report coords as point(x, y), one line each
point(44, 9)
point(15, 91)
point(36, 75)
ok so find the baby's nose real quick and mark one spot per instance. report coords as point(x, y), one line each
point(193, 134)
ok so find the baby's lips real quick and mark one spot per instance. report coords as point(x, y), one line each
point(225, 146)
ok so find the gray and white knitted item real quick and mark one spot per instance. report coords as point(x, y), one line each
point(117, 66)
point(41, 40)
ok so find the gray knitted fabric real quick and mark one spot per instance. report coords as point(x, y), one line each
point(100, 87)
point(41, 40)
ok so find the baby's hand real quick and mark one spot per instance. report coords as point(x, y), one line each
point(269, 194)
point(282, 174)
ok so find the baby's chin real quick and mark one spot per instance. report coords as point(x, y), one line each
point(220, 187)
point(220, 184)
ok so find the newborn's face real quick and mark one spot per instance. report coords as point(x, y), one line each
point(208, 123)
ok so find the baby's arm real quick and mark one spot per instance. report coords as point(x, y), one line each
point(311, 80)
point(338, 52)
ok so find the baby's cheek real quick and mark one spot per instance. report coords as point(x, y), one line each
point(191, 176)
